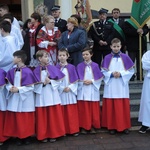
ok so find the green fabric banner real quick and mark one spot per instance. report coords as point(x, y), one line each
point(140, 12)
point(117, 28)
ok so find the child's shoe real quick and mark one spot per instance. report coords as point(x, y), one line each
point(92, 131)
point(112, 132)
point(19, 142)
point(44, 141)
point(83, 131)
point(126, 131)
point(143, 129)
point(52, 140)
point(1, 143)
point(75, 134)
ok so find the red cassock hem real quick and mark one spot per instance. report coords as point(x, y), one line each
point(89, 114)
point(49, 122)
point(19, 124)
point(116, 114)
point(71, 119)
point(2, 119)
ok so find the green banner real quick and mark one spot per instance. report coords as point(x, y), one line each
point(140, 13)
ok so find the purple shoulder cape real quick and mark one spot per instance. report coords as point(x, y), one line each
point(97, 74)
point(128, 63)
point(54, 73)
point(2, 77)
point(27, 77)
point(73, 77)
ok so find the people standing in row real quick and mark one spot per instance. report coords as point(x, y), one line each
point(118, 27)
point(101, 33)
point(60, 23)
point(14, 31)
point(20, 115)
point(132, 34)
point(68, 93)
point(30, 44)
point(88, 95)
point(49, 118)
point(144, 111)
point(73, 40)
point(117, 68)
point(26, 27)
point(8, 46)
point(4, 9)
point(48, 37)
point(3, 105)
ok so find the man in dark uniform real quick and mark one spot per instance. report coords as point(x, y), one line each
point(132, 42)
point(60, 23)
point(118, 27)
point(101, 33)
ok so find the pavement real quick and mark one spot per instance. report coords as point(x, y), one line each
point(99, 141)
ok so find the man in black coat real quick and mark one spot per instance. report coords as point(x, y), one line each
point(118, 27)
point(60, 23)
point(101, 33)
point(132, 42)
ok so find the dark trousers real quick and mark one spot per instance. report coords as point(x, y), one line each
point(135, 56)
point(98, 55)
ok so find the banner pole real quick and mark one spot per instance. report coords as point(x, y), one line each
point(140, 56)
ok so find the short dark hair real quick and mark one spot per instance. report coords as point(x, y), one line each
point(36, 16)
point(87, 49)
point(40, 53)
point(4, 6)
point(25, 25)
point(116, 9)
point(21, 54)
point(64, 50)
point(115, 40)
point(8, 16)
point(6, 26)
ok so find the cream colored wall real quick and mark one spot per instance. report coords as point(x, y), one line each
point(123, 5)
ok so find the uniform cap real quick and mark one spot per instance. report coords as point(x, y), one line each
point(103, 10)
point(55, 7)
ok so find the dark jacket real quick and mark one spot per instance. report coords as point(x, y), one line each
point(61, 24)
point(74, 44)
point(99, 31)
point(26, 46)
point(132, 37)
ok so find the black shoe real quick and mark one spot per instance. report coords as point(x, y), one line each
point(112, 132)
point(27, 141)
point(126, 131)
point(19, 142)
point(143, 129)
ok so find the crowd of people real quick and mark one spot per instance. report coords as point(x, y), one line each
point(50, 77)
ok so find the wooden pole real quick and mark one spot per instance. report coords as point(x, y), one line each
point(140, 55)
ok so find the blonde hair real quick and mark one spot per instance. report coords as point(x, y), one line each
point(73, 20)
point(46, 19)
point(40, 53)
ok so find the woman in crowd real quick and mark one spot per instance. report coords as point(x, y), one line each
point(73, 40)
point(30, 45)
point(48, 37)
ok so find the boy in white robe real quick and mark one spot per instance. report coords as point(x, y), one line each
point(2, 105)
point(144, 112)
point(20, 115)
point(49, 119)
point(68, 93)
point(8, 46)
point(88, 94)
point(117, 68)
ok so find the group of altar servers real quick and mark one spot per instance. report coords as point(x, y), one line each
point(54, 101)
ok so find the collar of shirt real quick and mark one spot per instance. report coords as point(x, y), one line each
point(116, 54)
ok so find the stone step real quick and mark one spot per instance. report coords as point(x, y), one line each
point(132, 85)
point(134, 94)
